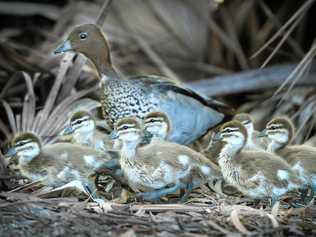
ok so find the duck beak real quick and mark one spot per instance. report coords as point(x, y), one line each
point(263, 133)
point(68, 130)
point(114, 135)
point(11, 152)
point(217, 137)
point(64, 47)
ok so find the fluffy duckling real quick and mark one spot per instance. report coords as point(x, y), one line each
point(137, 96)
point(157, 125)
point(302, 158)
point(57, 164)
point(161, 167)
point(258, 174)
point(253, 141)
point(82, 127)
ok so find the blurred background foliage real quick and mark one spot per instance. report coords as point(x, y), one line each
point(186, 40)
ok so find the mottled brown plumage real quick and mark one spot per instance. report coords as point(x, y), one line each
point(136, 97)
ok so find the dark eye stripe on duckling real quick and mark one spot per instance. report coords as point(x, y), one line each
point(230, 130)
point(125, 126)
point(79, 121)
point(276, 131)
point(153, 120)
point(246, 122)
point(22, 142)
point(275, 126)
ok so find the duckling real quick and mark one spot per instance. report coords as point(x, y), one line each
point(301, 158)
point(82, 127)
point(256, 173)
point(56, 164)
point(161, 167)
point(253, 141)
point(157, 125)
point(137, 96)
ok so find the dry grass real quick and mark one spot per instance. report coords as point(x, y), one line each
point(215, 49)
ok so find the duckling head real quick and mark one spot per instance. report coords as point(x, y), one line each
point(246, 120)
point(233, 134)
point(24, 148)
point(280, 131)
point(89, 40)
point(157, 124)
point(127, 130)
point(81, 125)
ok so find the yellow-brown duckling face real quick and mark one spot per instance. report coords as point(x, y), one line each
point(157, 124)
point(86, 39)
point(23, 149)
point(81, 123)
point(246, 120)
point(232, 133)
point(280, 130)
point(127, 130)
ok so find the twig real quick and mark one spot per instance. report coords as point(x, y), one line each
point(103, 13)
point(300, 11)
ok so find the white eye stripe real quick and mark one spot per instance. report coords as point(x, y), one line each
point(229, 130)
point(278, 130)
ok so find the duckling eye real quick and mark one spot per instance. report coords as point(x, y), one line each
point(125, 127)
point(83, 35)
point(152, 121)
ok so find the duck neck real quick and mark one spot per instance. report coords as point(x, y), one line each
point(128, 150)
point(227, 152)
point(275, 146)
point(85, 138)
point(100, 56)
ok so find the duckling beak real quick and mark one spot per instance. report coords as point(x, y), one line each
point(64, 47)
point(11, 152)
point(263, 133)
point(68, 130)
point(217, 137)
point(114, 135)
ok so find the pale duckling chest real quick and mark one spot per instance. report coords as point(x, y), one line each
point(230, 171)
point(122, 98)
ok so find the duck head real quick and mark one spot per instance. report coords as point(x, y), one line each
point(89, 40)
point(127, 130)
point(23, 149)
point(233, 134)
point(280, 131)
point(81, 125)
point(157, 124)
point(246, 120)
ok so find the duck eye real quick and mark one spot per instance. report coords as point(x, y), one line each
point(152, 120)
point(125, 127)
point(83, 35)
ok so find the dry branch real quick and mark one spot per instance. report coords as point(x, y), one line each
point(250, 81)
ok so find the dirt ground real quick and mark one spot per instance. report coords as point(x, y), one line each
point(23, 214)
